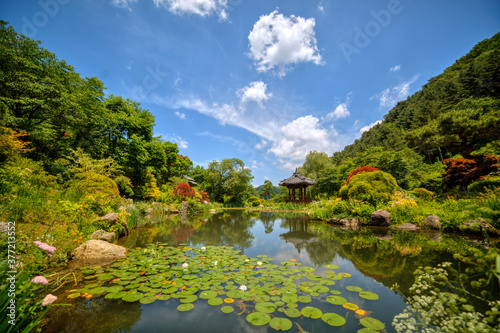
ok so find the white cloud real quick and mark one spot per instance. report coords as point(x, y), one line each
point(261, 144)
point(123, 3)
point(183, 144)
point(391, 96)
point(366, 128)
point(395, 68)
point(320, 7)
point(277, 41)
point(255, 92)
point(180, 115)
point(198, 7)
point(298, 138)
point(256, 165)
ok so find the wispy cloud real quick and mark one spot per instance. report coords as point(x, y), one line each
point(367, 127)
point(395, 68)
point(197, 7)
point(180, 115)
point(123, 3)
point(278, 42)
point(389, 97)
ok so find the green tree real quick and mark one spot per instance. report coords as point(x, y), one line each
point(228, 179)
point(267, 191)
point(373, 187)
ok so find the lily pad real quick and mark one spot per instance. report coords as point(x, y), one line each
point(292, 312)
point(208, 294)
point(311, 312)
point(372, 323)
point(189, 299)
point(280, 324)
point(147, 300)
point(74, 295)
point(353, 288)
point(368, 295)
point(133, 297)
point(304, 299)
point(337, 300)
point(185, 307)
point(227, 309)
point(332, 266)
point(215, 301)
point(350, 306)
point(344, 274)
point(333, 319)
point(266, 307)
point(98, 290)
point(258, 318)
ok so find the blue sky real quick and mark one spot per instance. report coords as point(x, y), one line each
point(265, 81)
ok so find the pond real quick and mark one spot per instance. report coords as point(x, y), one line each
point(282, 264)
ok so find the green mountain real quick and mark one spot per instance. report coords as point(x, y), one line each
point(456, 112)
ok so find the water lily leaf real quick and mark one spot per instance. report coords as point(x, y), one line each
point(185, 307)
point(307, 269)
point(290, 298)
point(147, 300)
point(227, 309)
point(92, 285)
point(304, 299)
point(314, 277)
point(258, 318)
point(280, 324)
point(320, 289)
point(335, 292)
point(207, 294)
point(98, 290)
point(74, 295)
point(133, 297)
point(215, 301)
point(114, 289)
point(163, 297)
point(235, 293)
point(344, 274)
point(368, 295)
point(372, 323)
point(333, 277)
point(116, 295)
point(189, 299)
point(287, 263)
point(333, 319)
point(353, 288)
point(337, 300)
point(332, 266)
point(350, 306)
point(311, 312)
point(292, 312)
point(366, 330)
point(327, 282)
point(265, 307)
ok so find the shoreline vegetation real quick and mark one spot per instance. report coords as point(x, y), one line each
point(74, 161)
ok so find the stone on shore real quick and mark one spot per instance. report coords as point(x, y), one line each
point(381, 218)
point(103, 235)
point(98, 250)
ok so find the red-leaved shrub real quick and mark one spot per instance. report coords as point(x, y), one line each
point(359, 170)
point(185, 191)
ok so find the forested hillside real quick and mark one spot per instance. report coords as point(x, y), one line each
point(456, 112)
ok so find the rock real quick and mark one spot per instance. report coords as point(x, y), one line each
point(261, 206)
point(4, 228)
point(109, 217)
point(103, 235)
point(408, 226)
point(98, 250)
point(432, 221)
point(477, 226)
point(381, 218)
point(212, 211)
point(184, 208)
point(333, 220)
point(435, 236)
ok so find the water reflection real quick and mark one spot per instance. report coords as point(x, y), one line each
point(376, 258)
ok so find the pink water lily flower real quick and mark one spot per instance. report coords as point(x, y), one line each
point(39, 280)
point(49, 299)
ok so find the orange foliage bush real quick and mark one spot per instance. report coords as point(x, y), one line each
point(185, 191)
point(462, 172)
point(359, 170)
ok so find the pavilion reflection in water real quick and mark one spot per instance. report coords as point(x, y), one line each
point(297, 234)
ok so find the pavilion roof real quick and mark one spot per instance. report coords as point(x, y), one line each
point(297, 179)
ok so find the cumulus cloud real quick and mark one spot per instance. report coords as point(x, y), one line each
point(341, 111)
point(277, 41)
point(123, 3)
point(180, 115)
point(395, 68)
point(197, 7)
point(389, 97)
point(298, 138)
point(366, 128)
point(183, 144)
point(255, 92)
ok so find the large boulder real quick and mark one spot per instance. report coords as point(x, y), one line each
point(432, 222)
point(381, 218)
point(103, 235)
point(98, 250)
point(111, 219)
point(477, 226)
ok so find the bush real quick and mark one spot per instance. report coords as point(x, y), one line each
point(125, 186)
point(486, 183)
point(253, 201)
point(422, 193)
point(185, 191)
point(372, 187)
point(360, 170)
point(92, 183)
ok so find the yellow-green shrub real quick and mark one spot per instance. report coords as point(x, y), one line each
point(373, 187)
point(92, 183)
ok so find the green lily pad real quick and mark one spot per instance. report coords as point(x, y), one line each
point(344, 274)
point(314, 277)
point(337, 300)
point(185, 307)
point(235, 293)
point(116, 295)
point(332, 266)
point(133, 297)
point(366, 330)
point(280, 324)
point(353, 288)
point(147, 300)
point(307, 269)
point(227, 309)
point(74, 295)
point(372, 323)
point(311, 312)
point(208, 294)
point(304, 299)
point(292, 312)
point(333, 319)
point(98, 290)
point(163, 297)
point(258, 318)
point(215, 301)
point(114, 289)
point(189, 299)
point(321, 289)
point(368, 295)
point(265, 307)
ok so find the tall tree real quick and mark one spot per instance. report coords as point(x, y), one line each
point(267, 191)
point(228, 179)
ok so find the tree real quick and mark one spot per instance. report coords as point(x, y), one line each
point(267, 191)
point(373, 187)
point(230, 179)
point(185, 191)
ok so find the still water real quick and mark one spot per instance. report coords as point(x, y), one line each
point(374, 258)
